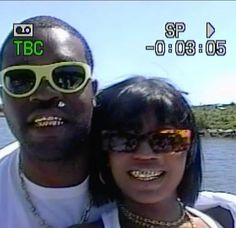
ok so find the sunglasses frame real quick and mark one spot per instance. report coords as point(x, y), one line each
point(45, 71)
point(185, 133)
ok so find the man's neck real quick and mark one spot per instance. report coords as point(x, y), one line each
point(55, 174)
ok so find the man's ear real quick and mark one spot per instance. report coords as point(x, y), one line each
point(95, 86)
point(1, 104)
point(1, 91)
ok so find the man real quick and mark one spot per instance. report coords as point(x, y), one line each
point(48, 103)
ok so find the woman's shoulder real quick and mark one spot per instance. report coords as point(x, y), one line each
point(219, 205)
point(111, 219)
point(202, 217)
point(208, 199)
point(97, 224)
point(221, 215)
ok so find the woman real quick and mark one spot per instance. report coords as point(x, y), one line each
point(150, 161)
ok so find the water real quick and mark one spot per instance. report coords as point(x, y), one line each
point(219, 160)
point(219, 164)
point(5, 135)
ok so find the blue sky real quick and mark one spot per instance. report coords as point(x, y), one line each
point(119, 31)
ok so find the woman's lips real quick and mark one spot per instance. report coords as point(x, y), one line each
point(146, 174)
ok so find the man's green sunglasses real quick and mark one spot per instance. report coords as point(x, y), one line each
point(66, 77)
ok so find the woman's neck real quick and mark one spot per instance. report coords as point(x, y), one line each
point(166, 210)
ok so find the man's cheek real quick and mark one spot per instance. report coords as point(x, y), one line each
point(83, 110)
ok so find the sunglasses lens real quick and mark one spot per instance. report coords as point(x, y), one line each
point(19, 81)
point(120, 143)
point(162, 143)
point(69, 77)
point(168, 142)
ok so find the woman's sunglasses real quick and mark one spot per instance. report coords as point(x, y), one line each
point(161, 141)
point(66, 77)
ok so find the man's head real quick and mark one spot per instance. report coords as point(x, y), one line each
point(45, 128)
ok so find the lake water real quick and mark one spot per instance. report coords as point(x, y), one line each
point(219, 160)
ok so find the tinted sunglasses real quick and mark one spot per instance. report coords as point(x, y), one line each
point(161, 141)
point(66, 77)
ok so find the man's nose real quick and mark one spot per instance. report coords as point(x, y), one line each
point(45, 92)
point(144, 151)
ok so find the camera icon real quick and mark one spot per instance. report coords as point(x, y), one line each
point(23, 30)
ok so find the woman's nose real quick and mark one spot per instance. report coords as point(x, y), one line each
point(144, 151)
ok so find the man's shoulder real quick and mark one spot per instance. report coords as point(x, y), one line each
point(8, 153)
point(8, 161)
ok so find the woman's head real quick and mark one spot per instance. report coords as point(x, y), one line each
point(135, 122)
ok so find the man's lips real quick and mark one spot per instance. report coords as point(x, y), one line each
point(47, 119)
point(51, 121)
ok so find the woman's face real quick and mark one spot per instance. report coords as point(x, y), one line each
point(143, 175)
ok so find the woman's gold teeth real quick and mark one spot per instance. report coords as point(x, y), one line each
point(145, 174)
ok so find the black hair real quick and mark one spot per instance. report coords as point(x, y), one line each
point(52, 22)
point(120, 107)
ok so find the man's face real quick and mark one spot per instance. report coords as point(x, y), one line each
point(52, 141)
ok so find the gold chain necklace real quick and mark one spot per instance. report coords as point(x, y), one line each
point(152, 223)
point(42, 222)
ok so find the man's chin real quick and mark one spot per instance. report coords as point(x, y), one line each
point(47, 133)
point(53, 144)
point(50, 150)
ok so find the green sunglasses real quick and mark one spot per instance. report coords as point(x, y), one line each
point(66, 77)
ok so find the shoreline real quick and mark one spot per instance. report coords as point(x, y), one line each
point(218, 133)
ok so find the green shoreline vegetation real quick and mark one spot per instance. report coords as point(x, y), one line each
point(218, 120)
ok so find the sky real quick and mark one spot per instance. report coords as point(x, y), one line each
point(119, 31)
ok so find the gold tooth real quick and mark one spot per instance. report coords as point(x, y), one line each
point(40, 124)
point(145, 174)
point(38, 120)
point(146, 178)
point(49, 123)
point(50, 118)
